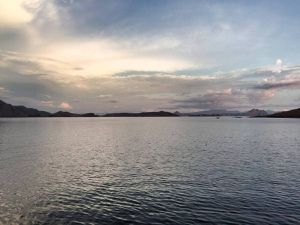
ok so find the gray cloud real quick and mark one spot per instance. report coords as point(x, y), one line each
point(213, 100)
point(40, 82)
point(14, 38)
point(276, 85)
point(139, 73)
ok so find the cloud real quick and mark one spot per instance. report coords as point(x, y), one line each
point(210, 100)
point(114, 37)
point(48, 103)
point(65, 105)
point(279, 62)
point(13, 13)
point(278, 66)
point(104, 96)
point(289, 78)
point(47, 83)
point(276, 85)
point(129, 56)
point(101, 57)
point(225, 99)
point(258, 97)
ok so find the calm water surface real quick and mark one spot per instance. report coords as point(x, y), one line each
point(149, 171)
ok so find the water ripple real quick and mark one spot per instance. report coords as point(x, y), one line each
point(149, 171)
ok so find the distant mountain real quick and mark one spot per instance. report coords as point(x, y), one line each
point(256, 112)
point(216, 112)
point(142, 114)
point(178, 113)
point(224, 112)
point(8, 110)
point(295, 113)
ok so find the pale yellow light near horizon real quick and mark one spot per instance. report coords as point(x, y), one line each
point(13, 12)
point(104, 57)
point(96, 56)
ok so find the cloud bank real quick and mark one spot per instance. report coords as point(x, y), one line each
point(112, 56)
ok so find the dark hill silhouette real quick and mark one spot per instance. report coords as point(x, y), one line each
point(68, 114)
point(142, 114)
point(8, 110)
point(295, 113)
point(89, 115)
point(64, 114)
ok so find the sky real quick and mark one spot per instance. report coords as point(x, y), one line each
point(147, 55)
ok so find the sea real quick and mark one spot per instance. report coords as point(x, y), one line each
point(179, 170)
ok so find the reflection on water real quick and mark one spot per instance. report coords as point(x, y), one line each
point(149, 170)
